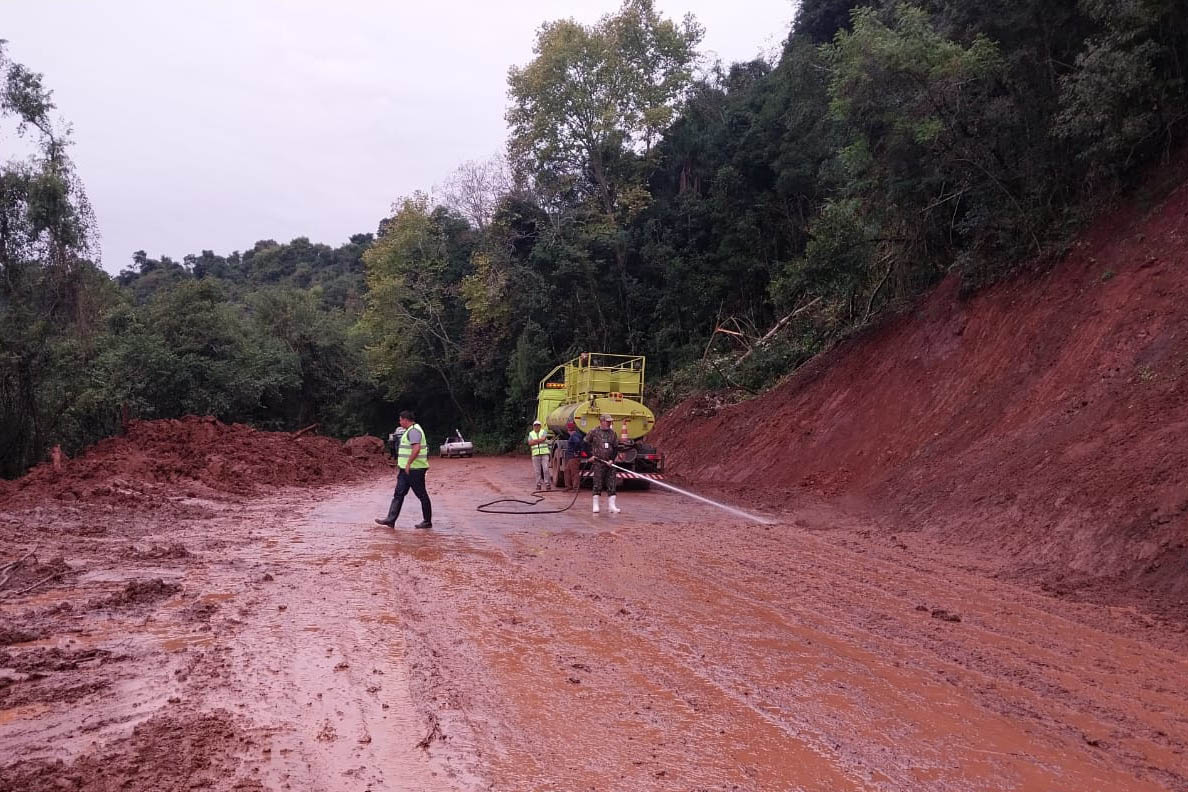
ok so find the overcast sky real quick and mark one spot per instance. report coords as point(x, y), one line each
point(210, 124)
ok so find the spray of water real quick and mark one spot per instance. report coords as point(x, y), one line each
point(695, 496)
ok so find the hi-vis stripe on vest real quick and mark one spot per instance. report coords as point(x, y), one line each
point(422, 460)
point(541, 449)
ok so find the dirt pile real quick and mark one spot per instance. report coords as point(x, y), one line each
point(1044, 420)
point(365, 446)
point(190, 456)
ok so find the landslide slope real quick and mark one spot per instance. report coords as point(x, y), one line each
point(1044, 420)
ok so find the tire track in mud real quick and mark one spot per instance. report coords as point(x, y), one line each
point(1008, 668)
point(814, 638)
point(273, 659)
point(1008, 683)
point(593, 706)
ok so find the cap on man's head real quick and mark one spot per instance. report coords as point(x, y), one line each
point(536, 423)
point(570, 425)
point(605, 417)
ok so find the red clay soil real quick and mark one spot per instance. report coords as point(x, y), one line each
point(193, 456)
point(1043, 420)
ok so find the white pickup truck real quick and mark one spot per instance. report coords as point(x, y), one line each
point(457, 446)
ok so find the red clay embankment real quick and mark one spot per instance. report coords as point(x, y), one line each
point(1044, 420)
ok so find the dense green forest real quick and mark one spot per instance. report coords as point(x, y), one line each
point(645, 199)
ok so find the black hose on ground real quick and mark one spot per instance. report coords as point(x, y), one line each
point(538, 494)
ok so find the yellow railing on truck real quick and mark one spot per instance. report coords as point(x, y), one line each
point(594, 374)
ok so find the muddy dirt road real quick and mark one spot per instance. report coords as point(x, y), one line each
point(288, 643)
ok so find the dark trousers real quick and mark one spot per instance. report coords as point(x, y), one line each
point(414, 480)
point(604, 477)
point(573, 474)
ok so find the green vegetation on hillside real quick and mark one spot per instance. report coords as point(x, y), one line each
point(646, 201)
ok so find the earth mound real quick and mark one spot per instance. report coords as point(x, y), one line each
point(365, 446)
point(195, 456)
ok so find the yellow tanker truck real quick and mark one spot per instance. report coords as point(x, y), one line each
point(583, 389)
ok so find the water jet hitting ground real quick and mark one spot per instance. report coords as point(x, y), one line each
point(714, 503)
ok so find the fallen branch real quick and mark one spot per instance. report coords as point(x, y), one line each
point(11, 564)
point(11, 568)
point(873, 294)
point(778, 326)
point(45, 579)
point(729, 381)
point(300, 432)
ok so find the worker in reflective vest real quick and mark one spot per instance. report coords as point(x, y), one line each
point(538, 447)
point(413, 461)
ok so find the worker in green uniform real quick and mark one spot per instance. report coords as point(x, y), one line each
point(604, 449)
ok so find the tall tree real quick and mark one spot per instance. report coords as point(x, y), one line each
point(51, 294)
point(594, 92)
point(415, 312)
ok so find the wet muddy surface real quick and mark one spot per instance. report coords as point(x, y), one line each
point(285, 641)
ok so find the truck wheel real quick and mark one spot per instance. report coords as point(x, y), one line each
point(557, 469)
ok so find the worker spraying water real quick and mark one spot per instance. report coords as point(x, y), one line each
point(575, 396)
point(604, 388)
point(604, 448)
point(491, 507)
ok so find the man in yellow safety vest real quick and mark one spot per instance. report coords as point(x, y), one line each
point(538, 446)
point(413, 460)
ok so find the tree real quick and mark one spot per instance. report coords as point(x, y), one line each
point(475, 188)
point(592, 93)
point(51, 293)
point(329, 357)
point(1129, 90)
point(928, 155)
point(415, 314)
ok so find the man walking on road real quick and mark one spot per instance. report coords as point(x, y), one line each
point(412, 458)
point(538, 446)
point(573, 457)
point(604, 448)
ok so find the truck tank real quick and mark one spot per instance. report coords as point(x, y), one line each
point(593, 383)
point(586, 414)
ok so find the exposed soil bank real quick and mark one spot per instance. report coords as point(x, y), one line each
point(1045, 421)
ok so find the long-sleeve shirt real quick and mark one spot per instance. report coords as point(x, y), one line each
point(603, 443)
point(573, 446)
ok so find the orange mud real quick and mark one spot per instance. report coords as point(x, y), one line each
point(283, 641)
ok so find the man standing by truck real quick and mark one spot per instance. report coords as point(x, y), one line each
point(604, 449)
point(538, 446)
point(574, 445)
point(413, 460)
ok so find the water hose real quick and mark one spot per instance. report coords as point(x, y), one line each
point(538, 494)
